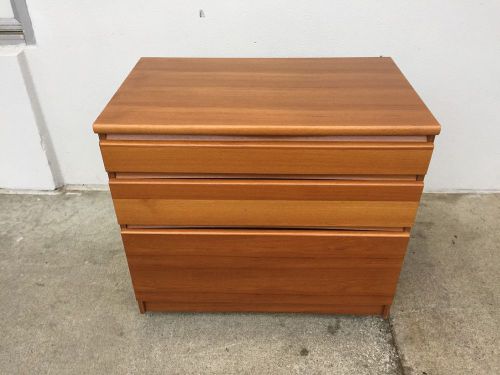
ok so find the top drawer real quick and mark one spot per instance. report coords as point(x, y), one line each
point(267, 157)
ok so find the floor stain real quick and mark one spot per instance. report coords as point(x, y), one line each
point(333, 328)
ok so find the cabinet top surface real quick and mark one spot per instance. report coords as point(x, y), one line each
point(256, 96)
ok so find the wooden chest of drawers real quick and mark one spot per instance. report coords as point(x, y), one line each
point(285, 185)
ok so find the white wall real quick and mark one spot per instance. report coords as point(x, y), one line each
point(6, 9)
point(448, 49)
point(23, 160)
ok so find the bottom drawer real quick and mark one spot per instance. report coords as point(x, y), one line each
point(327, 271)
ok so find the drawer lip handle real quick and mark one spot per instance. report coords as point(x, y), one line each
point(324, 232)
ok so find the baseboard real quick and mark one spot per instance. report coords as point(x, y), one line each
point(105, 187)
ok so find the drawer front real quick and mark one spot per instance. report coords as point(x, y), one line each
point(264, 270)
point(276, 158)
point(265, 203)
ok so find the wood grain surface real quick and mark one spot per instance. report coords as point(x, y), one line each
point(251, 303)
point(263, 203)
point(243, 189)
point(266, 185)
point(247, 96)
point(259, 270)
point(314, 158)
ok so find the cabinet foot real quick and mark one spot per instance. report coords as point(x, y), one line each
point(386, 311)
point(142, 306)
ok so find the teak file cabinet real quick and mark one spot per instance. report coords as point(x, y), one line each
point(283, 185)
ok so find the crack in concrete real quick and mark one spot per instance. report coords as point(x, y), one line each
point(398, 360)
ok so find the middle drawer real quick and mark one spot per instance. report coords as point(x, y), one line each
point(265, 203)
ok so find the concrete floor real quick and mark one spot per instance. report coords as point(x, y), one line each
point(67, 306)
